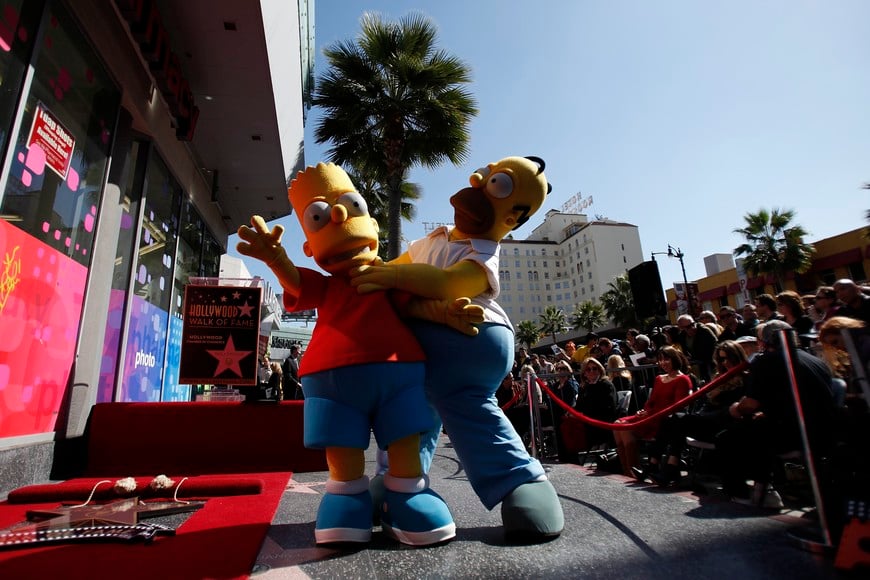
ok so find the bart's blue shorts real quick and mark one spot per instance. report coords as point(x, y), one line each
point(344, 405)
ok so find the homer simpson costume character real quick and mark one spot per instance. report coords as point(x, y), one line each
point(363, 370)
point(463, 372)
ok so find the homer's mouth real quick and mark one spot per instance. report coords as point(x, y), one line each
point(350, 254)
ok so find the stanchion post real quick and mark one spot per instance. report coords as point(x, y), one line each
point(787, 347)
point(533, 426)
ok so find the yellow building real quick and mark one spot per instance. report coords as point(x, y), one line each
point(845, 255)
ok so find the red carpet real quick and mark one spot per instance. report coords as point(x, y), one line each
point(221, 540)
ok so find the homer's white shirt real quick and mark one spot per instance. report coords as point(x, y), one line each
point(437, 250)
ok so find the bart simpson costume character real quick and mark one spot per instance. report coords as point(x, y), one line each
point(363, 370)
point(463, 372)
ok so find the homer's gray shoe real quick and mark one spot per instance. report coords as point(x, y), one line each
point(532, 512)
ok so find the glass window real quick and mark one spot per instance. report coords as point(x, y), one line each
point(152, 286)
point(18, 24)
point(61, 152)
point(131, 197)
point(211, 256)
point(856, 271)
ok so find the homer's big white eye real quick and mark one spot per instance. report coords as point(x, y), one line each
point(499, 185)
point(316, 216)
point(355, 204)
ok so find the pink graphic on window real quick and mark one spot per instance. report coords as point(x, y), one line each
point(8, 25)
point(40, 322)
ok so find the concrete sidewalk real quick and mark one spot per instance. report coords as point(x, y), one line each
point(614, 528)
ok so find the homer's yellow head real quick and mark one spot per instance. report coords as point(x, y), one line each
point(502, 197)
point(339, 232)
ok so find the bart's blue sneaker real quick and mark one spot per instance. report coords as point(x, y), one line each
point(344, 518)
point(417, 519)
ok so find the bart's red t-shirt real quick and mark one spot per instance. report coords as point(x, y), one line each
point(351, 328)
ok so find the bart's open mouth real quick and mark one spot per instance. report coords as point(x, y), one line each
point(350, 254)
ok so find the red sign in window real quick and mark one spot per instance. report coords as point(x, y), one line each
point(53, 138)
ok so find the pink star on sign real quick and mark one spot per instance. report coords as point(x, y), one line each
point(229, 357)
point(245, 310)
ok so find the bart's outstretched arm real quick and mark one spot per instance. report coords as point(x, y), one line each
point(465, 278)
point(265, 245)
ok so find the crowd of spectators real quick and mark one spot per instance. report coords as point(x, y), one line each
point(749, 418)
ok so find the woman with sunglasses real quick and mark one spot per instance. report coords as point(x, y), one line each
point(668, 388)
point(706, 421)
point(597, 400)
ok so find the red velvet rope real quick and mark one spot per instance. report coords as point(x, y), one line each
point(634, 425)
point(510, 403)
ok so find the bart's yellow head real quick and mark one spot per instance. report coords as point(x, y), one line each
point(339, 232)
point(502, 197)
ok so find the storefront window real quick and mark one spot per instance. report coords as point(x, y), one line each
point(18, 23)
point(187, 265)
point(49, 211)
point(152, 286)
point(211, 256)
point(131, 196)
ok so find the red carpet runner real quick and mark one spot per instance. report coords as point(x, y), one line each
point(221, 540)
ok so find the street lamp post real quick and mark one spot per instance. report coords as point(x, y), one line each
point(678, 254)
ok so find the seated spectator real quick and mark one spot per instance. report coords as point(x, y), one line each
point(750, 317)
point(512, 399)
point(630, 336)
point(706, 420)
point(825, 304)
point(618, 374)
point(749, 344)
point(709, 319)
point(608, 347)
point(767, 421)
point(855, 304)
point(668, 388)
point(765, 307)
point(565, 387)
point(790, 305)
point(699, 343)
point(597, 400)
point(836, 356)
point(733, 326)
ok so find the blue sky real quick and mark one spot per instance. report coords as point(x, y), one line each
point(678, 117)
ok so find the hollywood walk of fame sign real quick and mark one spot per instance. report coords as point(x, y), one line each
point(220, 335)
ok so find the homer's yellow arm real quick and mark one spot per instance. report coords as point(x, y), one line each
point(265, 245)
point(465, 278)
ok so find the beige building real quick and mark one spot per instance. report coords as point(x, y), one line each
point(566, 260)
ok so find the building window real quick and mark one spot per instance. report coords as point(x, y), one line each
point(516, 251)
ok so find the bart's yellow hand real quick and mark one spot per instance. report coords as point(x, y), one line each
point(261, 243)
point(264, 244)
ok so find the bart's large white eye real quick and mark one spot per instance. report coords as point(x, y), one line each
point(499, 185)
point(355, 204)
point(316, 216)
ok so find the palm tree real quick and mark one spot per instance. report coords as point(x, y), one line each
point(773, 245)
point(588, 315)
point(527, 333)
point(393, 101)
point(553, 320)
point(618, 302)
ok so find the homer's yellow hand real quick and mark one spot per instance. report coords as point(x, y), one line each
point(462, 315)
point(261, 243)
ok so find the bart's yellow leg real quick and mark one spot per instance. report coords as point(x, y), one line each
point(345, 463)
point(404, 457)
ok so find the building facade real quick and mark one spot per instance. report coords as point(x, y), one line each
point(564, 261)
point(135, 136)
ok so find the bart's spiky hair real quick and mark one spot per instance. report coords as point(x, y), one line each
point(321, 179)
